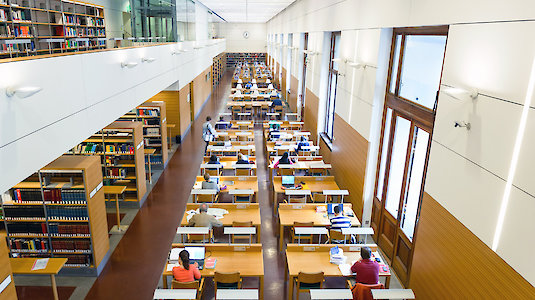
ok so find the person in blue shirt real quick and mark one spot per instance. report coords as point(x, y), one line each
point(303, 142)
point(339, 221)
point(248, 85)
point(276, 102)
point(220, 125)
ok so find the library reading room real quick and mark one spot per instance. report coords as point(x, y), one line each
point(267, 149)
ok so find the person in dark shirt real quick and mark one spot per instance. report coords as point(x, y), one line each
point(248, 85)
point(276, 102)
point(366, 268)
point(213, 160)
point(284, 160)
point(242, 160)
point(303, 142)
point(221, 124)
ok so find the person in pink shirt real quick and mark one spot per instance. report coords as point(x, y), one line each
point(186, 272)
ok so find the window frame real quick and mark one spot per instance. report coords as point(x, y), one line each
point(330, 108)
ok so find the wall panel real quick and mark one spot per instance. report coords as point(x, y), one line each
point(172, 109)
point(292, 100)
point(185, 109)
point(202, 88)
point(311, 114)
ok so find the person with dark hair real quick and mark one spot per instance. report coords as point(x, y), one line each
point(203, 219)
point(186, 272)
point(284, 160)
point(242, 159)
point(339, 221)
point(208, 132)
point(221, 124)
point(207, 184)
point(303, 142)
point(248, 85)
point(213, 160)
point(367, 269)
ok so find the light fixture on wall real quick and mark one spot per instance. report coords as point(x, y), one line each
point(459, 93)
point(176, 52)
point(148, 59)
point(357, 64)
point(463, 124)
point(23, 92)
point(129, 65)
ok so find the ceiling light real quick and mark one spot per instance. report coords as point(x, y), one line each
point(129, 65)
point(148, 59)
point(22, 92)
point(460, 94)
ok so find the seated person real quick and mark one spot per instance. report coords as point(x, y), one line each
point(339, 221)
point(203, 219)
point(367, 269)
point(254, 81)
point(186, 272)
point(284, 160)
point(242, 159)
point(248, 85)
point(207, 184)
point(276, 102)
point(214, 160)
point(303, 142)
point(274, 132)
point(274, 94)
point(222, 125)
point(237, 93)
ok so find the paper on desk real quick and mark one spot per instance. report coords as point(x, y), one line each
point(171, 266)
point(345, 269)
point(40, 264)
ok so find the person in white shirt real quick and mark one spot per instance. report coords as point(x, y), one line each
point(208, 132)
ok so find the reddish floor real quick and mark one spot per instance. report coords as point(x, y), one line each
point(43, 292)
point(136, 265)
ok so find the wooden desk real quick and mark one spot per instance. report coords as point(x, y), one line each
point(170, 126)
point(117, 190)
point(148, 153)
point(249, 103)
point(240, 183)
point(246, 259)
point(300, 260)
point(234, 135)
point(242, 212)
point(24, 266)
point(290, 213)
point(316, 184)
point(229, 162)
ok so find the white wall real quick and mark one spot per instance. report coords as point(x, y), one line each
point(201, 22)
point(113, 15)
point(233, 33)
point(468, 170)
point(36, 130)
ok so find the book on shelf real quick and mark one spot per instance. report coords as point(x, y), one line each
point(67, 213)
point(36, 213)
point(27, 245)
point(27, 228)
point(153, 112)
point(57, 229)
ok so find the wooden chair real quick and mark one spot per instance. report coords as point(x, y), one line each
point(317, 171)
point(243, 172)
point(307, 281)
point(363, 291)
point(336, 237)
point(235, 111)
point(279, 109)
point(243, 138)
point(200, 198)
point(280, 152)
point(243, 198)
point(319, 198)
point(285, 171)
point(297, 199)
point(222, 138)
point(230, 280)
point(201, 238)
point(247, 237)
point(198, 285)
point(245, 151)
point(299, 238)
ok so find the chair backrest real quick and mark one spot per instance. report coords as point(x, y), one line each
point(200, 237)
point(185, 285)
point(205, 198)
point(245, 151)
point(363, 291)
point(303, 277)
point(243, 138)
point(280, 152)
point(337, 235)
point(212, 172)
point(243, 172)
point(278, 109)
point(303, 224)
point(242, 224)
point(321, 171)
point(244, 127)
point(231, 277)
point(285, 172)
point(319, 198)
point(297, 198)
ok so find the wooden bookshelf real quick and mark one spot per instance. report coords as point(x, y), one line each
point(121, 151)
point(153, 115)
point(218, 68)
point(37, 27)
point(60, 212)
point(9, 293)
point(233, 58)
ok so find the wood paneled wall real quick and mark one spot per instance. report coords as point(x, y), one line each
point(311, 113)
point(201, 89)
point(172, 108)
point(184, 107)
point(450, 262)
point(276, 74)
point(292, 100)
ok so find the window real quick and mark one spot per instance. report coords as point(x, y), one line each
point(331, 89)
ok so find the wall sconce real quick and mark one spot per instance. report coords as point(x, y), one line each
point(22, 92)
point(460, 94)
point(176, 52)
point(129, 65)
point(463, 124)
point(357, 65)
point(148, 59)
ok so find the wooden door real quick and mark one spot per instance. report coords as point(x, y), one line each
point(191, 102)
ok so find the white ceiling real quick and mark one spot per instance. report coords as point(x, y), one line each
point(251, 11)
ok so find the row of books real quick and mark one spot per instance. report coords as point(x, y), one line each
point(78, 260)
point(151, 122)
point(49, 195)
point(156, 160)
point(78, 229)
point(3, 15)
point(29, 244)
point(68, 19)
point(30, 228)
point(21, 15)
point(71, 245)
point(151, 131)
point(148, 112)
point(99, 22)
point(16, 48)
point(16, 212)
point(116, 172)
point(122, 148)
point(21, 31)
point(67, 213)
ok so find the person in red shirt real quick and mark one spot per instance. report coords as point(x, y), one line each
point(367, 269)
point(186, 272)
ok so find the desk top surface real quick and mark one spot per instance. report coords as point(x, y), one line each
point(239, 183)
point(290, 213)
point(312, 183)
point(242, 212)
point(249, 262)
point(114, 189)
point(24, 266)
